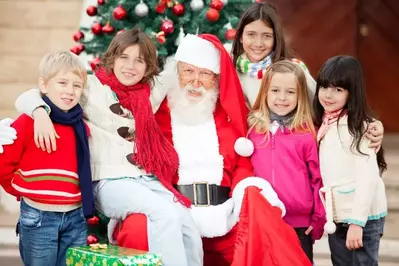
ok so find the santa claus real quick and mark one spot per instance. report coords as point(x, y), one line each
point(203, 115)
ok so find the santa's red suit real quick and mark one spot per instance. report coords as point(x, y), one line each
point(206, 154)
point(210, 173)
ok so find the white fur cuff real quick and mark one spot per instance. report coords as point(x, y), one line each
point(266, 190)
point(110, 230)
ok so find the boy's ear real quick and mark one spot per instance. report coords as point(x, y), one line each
point(42, 85)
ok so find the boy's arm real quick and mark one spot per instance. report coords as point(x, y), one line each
point(10, 159)
point(29, 101)
point(164, 82)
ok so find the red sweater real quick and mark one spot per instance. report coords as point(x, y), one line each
point(49, 178)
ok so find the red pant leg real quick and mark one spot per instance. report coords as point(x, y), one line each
point(219, 251)
point(132, 232)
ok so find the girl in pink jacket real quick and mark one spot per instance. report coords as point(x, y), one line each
point(285, 149)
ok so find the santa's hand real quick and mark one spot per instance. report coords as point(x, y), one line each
point(7, 133)
point(266, 190)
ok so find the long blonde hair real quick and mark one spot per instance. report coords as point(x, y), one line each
point(259, 117)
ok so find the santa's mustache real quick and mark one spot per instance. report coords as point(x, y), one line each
point(191, 89)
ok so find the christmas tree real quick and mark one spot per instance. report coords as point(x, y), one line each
point(166, 21)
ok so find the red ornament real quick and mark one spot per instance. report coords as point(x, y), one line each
point(212, 15)
point(217, 4)
point(108, 28)
point(230, 34)
point(100, 2)
point(92, 239)
point(119, 13)
point(161, 37)
point(178, 9)
point(91, 11)
point(167, 26)
point(96, 28)
point(78, 35)
point(74, 50)
point(77, 49)
point(160, 8)
point(93, 64)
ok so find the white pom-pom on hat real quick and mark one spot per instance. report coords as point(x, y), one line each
point(330, 228)
point(244, 147)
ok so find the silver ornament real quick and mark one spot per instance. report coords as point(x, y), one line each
point(225, 2)
point(197, 5)
point(141, 10)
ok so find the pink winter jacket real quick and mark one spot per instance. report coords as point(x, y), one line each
point(289, 161)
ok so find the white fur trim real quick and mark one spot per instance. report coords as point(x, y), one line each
point(214, 221)
point(330, 228)
point(244, 147)
point(198, 52)
point(198, 150)
point(266, 190)
point(110, 230)
point(228, 46)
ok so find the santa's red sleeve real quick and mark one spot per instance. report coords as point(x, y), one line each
point(243, 170)
point(263, 238)
point(10, 158)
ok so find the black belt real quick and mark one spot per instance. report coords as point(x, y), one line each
point(203, 194)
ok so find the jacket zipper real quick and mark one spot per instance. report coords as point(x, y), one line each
point(273, 146)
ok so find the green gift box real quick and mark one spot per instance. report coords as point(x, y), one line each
point(108, 255)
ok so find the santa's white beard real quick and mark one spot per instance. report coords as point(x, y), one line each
point(193, 110)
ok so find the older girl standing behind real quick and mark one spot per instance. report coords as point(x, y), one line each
point(355, 194)
point(258, 43)
point(285, 154)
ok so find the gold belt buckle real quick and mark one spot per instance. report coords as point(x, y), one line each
point(208, 199)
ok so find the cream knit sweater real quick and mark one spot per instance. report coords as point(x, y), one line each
point(355, 193)
point(108, 150)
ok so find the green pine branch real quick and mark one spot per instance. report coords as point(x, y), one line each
point(191, 22)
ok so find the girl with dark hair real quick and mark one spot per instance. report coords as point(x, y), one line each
point(260, 42)
point(354, 191)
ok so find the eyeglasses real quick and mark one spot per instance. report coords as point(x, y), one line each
point(188, 75)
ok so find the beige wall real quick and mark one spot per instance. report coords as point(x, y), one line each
point(29, 29)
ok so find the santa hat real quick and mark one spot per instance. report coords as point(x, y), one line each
point(207, 51)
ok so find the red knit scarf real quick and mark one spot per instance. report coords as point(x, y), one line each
point(154, 152)
point(328, 119)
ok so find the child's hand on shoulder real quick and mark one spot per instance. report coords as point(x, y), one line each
point(354, 237)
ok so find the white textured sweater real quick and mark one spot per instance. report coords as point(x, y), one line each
point(355, 192)
point(108, 149)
